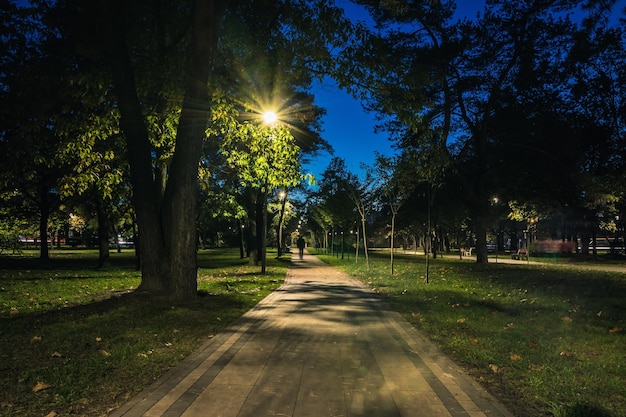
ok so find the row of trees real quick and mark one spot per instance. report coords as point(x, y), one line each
point(518, 112)
point(158, 103)
point(149, 111)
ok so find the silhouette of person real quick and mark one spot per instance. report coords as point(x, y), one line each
point(300, 244)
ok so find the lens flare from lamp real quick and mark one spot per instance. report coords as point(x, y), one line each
point(269, 117)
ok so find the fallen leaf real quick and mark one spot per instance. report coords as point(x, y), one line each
point(535, 368)
point(509, 326)
point(566, 319)
point(36, 339)
point(52, 414)
point(599, 313)
point(461, 320)
point(6, 405)
point(533, 345)
point(104, 353)
point(615, 330)
point(515, 357)
point(566, 354)
point(474, 341)
point(98, 339)
point(57, 355)
point(13, 311)
point(41, 386)
point(494, 368)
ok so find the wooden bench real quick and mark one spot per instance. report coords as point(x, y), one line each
point(466, 251)
point(521, 254)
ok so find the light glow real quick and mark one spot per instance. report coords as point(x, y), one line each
point(270, 117)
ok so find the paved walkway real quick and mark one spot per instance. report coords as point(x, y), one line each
point(322, 345)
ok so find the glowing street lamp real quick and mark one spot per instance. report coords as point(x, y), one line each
point(270, 117)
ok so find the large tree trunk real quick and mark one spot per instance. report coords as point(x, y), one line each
point(44, 215)
point(167, 227)
point(253, 247)
point(480, 227)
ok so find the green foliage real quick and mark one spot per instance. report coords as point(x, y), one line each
point(264, 157)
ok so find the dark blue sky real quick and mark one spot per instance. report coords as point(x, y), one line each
point(347, 127)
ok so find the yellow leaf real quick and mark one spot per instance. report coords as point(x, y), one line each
point(41, 386)
point(98, 339)
point(535, 368)
point(533, 345)
point(566, 320)
point(474, 341)
point(515, 357)
point(57, 355)
point(36, 339)
point(461, 320)
point(615, 330)
point(52, 414)
point(494, 368)
point(104, 353)
point(566, 354)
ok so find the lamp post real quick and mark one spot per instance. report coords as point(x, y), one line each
point(269, 117)
point(283, 197)
point(495, 202)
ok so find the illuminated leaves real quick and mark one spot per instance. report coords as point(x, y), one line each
point(264, 157)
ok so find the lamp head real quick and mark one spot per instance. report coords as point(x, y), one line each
point(270, 117)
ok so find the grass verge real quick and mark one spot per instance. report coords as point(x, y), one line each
point(76, 341)
point(546, 340)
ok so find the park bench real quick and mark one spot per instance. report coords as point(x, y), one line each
point(466, 251)
point(521, 254)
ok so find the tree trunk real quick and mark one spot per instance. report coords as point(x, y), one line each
point(44, 210)
point(367, 258)
point(167, 227)
point(393, 228)
point(253, 253)
point(104, 258)
point(480, 225)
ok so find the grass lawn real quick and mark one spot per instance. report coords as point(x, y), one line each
point(75, 340)
point(547, 340)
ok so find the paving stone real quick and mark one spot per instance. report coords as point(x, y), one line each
point(322, 345)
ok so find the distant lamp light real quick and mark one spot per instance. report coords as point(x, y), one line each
point(269, 117)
